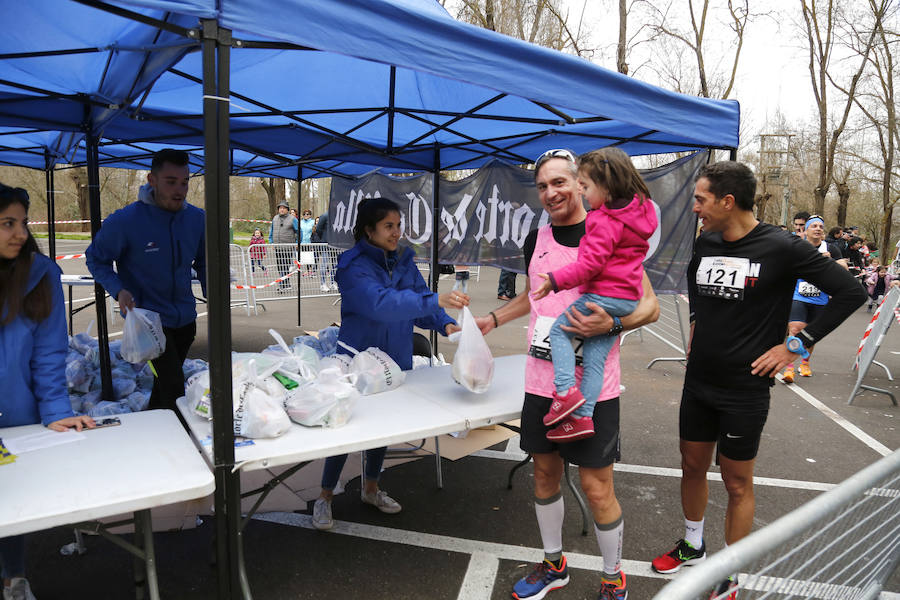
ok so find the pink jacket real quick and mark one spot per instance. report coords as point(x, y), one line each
point(611, 253)
point(872, 279)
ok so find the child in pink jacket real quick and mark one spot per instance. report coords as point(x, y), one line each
point(608, 272)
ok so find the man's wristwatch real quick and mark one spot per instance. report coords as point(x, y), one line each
point(616, 328)
point(795, 345)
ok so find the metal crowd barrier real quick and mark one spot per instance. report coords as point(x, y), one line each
point(270, 272)
point(670, 328)
point(844, 544)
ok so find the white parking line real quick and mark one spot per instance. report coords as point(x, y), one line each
point(855, 431)
point(479, 581)
point(667, 472)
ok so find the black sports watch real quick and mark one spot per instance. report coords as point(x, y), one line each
point(616, 328)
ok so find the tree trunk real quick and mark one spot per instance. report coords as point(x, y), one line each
point(489, 15)
point(843, 199)
point(762, 203)
point(887, 251)
point(621, 65)
point(274, 187)
point(80, 179)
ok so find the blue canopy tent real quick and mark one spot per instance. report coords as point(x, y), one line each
point(308, 88)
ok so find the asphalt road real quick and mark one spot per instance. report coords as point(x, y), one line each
point(474, 538)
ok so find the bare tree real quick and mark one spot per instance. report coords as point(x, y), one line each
point(665, 27)
point(274, 187)
point(820, 27)
point(622, 46)
point(541, 22)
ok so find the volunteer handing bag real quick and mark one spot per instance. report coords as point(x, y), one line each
point(326, 401)
point(143, 338)
point(375, 371)
point(473, 364)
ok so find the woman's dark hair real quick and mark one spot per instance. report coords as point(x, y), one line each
point(369, 212)
point(36, 305)
point(835, 232)
point(613, 169)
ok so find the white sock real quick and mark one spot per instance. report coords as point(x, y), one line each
point(609, 538)
point(550, 512)
point(693, 532)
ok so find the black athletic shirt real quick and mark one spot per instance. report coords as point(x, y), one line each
point(564, 235)
point(737, 321)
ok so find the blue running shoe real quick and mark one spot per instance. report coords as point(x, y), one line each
point(542, 579)
point(614, 590)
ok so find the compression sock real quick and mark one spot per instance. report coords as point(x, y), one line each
point(550, 512)
point(609, 538)
point(693, 533)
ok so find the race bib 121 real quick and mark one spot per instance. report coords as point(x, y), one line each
point(722, 277)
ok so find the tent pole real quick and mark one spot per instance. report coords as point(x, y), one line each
point(732, 154)
point(51, 204)
point(299, 237)
point(93, 171)
point(216, 46)
point(435, 207)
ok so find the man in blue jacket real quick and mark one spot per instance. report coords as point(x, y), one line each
point(155, 242)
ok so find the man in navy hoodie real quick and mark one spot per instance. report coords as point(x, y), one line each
point(155, 242)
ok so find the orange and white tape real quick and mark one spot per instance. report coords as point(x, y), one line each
point(249, 220)
point(868, 332)
point(69, 256)
point(58, 222)
point(271, 283)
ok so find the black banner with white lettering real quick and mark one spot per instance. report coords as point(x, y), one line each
point(484, 218)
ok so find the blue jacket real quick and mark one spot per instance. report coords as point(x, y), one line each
point(33, 359)
point(382, 296)
point(154, 250)
point(306, 229)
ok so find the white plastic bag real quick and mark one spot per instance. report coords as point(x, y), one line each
point(257, 414)
point(143, 338)
point(327, 401)
point(301, 359)
point(197, 393)
point(473, 364)
point(375, 371)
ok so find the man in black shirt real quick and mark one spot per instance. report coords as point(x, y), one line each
point(740, 283)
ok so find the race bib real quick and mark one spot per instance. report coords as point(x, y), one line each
point(722, 277)
point(540, 341)
point(808, 290)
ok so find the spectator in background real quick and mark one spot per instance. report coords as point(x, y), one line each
point(855, 262)
point(306, 229)
point(877, 284)
point(462, 278)
point(800, 223)
point(155, 242)
point(506, 287)
point(325, 258)
point(257, 250)
point(283, 231)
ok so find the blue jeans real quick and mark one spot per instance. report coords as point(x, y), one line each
point(12, 556)
point(595, 351)
point(335, 464)
point(326, 268)
point(507, 284)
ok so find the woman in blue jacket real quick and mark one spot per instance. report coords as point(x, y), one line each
point(383, 296)
point(33, 346)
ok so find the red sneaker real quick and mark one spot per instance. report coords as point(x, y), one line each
point(571, 429)
point(563, 406)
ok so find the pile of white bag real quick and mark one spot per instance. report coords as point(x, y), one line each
point(297, 382)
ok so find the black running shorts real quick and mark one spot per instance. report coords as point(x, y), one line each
point(733, 419)
point(805, 312)
point(597, 451)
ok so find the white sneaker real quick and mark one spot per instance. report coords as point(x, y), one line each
point(321, 517)
point(323, 287)
point(381, 501)
point(18, 590)
point(334, 285)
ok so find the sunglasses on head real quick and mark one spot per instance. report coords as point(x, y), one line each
point(556, 153)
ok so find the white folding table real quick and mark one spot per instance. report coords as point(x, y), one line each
point(147, 461)
point(429, 403)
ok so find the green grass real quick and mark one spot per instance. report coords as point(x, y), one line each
point(64, 236)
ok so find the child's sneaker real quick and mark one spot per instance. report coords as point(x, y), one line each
point(726, 590)
point(573, 428)
point(681, 555)
point(614, 590)
point(543, 578)
point(563, 406)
